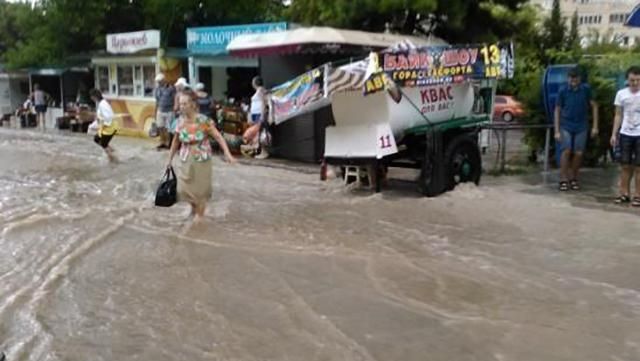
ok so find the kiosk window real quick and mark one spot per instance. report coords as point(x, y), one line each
point(102, 78)
point(149, 72)
point(125, 80)
point(137, 81)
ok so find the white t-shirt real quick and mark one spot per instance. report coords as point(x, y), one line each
point(105, 112)
point(257, 102)
point(39, 98)
point(630, 104)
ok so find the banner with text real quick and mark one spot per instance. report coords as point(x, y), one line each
point(432, 65)
point(214, 40)
point(297, 94)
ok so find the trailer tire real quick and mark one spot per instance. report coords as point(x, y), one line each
point(463, 161)
point(430, 181)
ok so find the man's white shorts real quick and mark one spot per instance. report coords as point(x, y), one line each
point(163, 119)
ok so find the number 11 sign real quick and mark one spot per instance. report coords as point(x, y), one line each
point(386, 141)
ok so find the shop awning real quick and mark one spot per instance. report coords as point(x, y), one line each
point(633, 20)
point(318, 40)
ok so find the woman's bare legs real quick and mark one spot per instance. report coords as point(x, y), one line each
point(250, 136)
point(109, 151)
point(200, 209)
point(40, 117)
point(194, 209)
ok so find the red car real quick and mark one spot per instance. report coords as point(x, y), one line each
point(507, 108)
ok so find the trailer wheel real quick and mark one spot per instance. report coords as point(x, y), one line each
point(463, 162)
point(430, 181)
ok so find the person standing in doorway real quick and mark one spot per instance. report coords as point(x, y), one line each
point(165, 97)
point(626, 122)
point(571, 127)
point(257, 118)
point(40, 99)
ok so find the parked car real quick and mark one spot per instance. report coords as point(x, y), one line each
point(507, 108)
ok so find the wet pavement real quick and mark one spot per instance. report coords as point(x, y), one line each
point(286, 267)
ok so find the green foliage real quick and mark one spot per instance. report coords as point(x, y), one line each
point(452, 20)
point(172, 17)
point(573, 38)
point(555, 29)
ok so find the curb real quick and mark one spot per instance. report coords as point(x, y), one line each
point(305, 168)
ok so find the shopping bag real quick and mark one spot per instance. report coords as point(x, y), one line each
point(153, 130)
point(167, 193)
point(93, 128)
point(264, 136)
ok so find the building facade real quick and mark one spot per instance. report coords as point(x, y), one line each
point(598, 19)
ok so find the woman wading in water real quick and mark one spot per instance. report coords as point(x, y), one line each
point(192, 144)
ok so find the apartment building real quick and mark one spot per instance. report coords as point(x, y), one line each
point(598, 19)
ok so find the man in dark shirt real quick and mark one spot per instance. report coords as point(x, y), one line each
point(571, 127)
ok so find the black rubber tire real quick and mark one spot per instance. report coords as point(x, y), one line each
point(507, 117)
point(430, 181)
point(463, 162)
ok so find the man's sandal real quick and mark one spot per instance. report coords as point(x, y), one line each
point(622, 199)
point(564, 186)
point(575, 186)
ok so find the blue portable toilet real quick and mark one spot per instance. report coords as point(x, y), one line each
point(555, 77)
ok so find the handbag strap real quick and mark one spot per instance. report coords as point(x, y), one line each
point(170, 174)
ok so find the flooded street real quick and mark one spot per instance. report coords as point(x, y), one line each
point(286, 267)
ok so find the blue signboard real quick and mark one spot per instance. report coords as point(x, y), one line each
point(214, 40)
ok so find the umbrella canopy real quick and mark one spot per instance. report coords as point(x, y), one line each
point(318, 39)
point(633, 20)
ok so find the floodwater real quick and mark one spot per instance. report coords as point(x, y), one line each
point(285, 267)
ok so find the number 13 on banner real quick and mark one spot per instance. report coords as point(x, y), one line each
point(491, 54)
point(386, 142)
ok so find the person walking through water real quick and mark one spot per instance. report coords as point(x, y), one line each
point(571, 127)
point(165, 96)
point(106, 128)
point(626, 121)
point(257, 118)
point(40, 99)
point(195, 152)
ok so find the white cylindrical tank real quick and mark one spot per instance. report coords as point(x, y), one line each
point(438, 103)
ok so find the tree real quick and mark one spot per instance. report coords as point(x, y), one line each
point(573, 39)
point(555, 29)
point(452, 20)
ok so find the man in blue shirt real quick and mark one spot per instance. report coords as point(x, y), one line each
point(571, 126)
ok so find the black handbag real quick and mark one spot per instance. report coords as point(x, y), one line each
point(167, 193)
